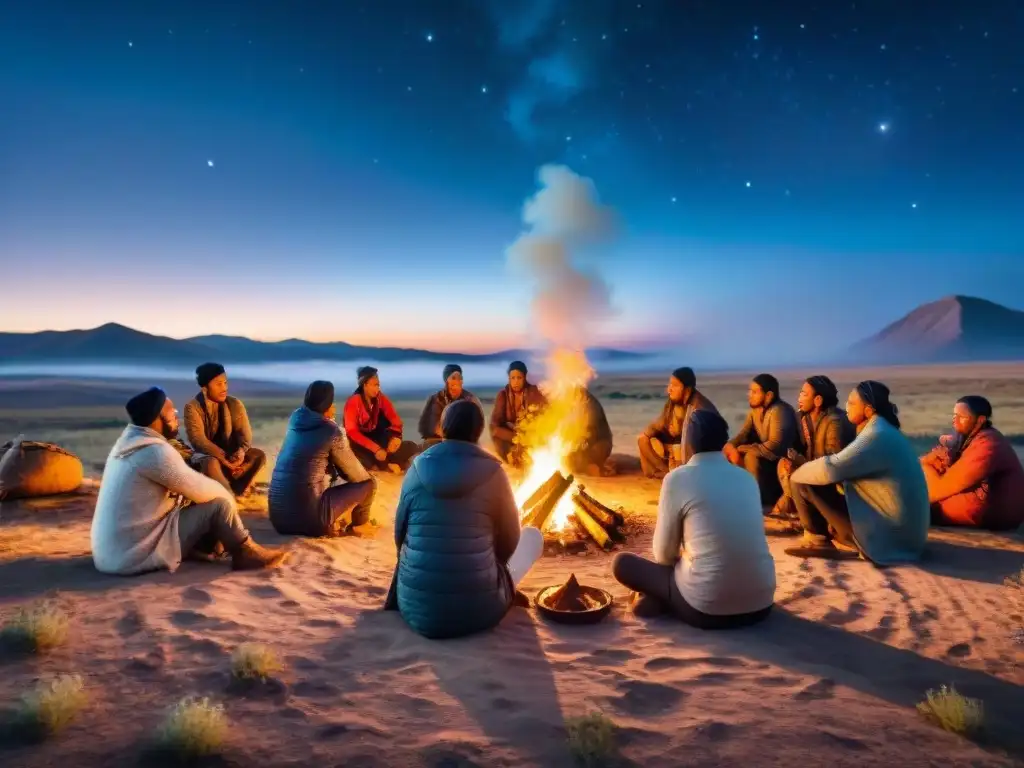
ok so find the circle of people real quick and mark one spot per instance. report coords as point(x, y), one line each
point(849, 476)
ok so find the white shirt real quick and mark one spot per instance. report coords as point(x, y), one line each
point(712, 510)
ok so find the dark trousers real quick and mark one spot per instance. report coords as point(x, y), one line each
point(766, 472)
point(508, 452)
point(653, 464)
point(345, 505)
point(405, 453)
point(658, 582)
point(820, 507)
point(201, 527)
point(595, 454)
point(254, 461)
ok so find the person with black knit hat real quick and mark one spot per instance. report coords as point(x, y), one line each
point(453, 391)
point(153, 510)
point(217, 427)
point(886, 515)
point(662, 444)
point(518, 401)
point(974, 475)
point(766, 437)
point(822, 430)
point(374, 427)
point(319, 487)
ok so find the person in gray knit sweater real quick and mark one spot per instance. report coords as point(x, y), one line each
point(217, 427)
point(153, 510)
point(765, 437)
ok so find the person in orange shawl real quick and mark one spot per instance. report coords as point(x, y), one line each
point(975, 477)
point(374, 427)
point(514, 403)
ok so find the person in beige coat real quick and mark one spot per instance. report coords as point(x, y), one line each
point(153, 510)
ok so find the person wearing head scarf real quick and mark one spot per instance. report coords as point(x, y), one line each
point(374, 427)
point(766, 437)
point(217, 427)
point(886, 515)
point(974, 476)
point(453, 391)
point(662, 443)
point(153, 510)
point(461, 553)
point(712, 567)
point(822, 430)
point(518, 401)
point(319, 487)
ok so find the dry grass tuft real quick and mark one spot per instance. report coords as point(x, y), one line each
point(194, 728)
point(252, 661)
point(953, 712)
point(51, 706)
point(36, 629)
point(591, 739)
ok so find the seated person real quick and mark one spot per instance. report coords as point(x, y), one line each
point(974, 476)
point(765, 437)
point(461, 553)
point(217, 427)
point(822, 430)
point(886, 513)
point(319, 488)
point(591, 456)
point(153, 509)
point(512, 405)
point(725, 576)
point(430, 417)
point(661, 444)
point(374, 427)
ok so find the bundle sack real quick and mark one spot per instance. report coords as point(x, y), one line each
point(29, 469)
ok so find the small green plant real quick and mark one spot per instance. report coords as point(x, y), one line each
point(591, 739)
point(194, 728)
point(253, 660)
point(36, 629)
point(51, 705)
point(952, 711)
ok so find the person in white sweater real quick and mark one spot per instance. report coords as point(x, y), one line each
point(153, 509)
point(712, 568)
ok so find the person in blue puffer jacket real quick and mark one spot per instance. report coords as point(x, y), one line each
point(460, 549)
point(319, 487)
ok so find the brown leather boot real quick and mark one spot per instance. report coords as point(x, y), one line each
point(251, 557)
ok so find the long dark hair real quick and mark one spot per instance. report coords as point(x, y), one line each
point(876, 394)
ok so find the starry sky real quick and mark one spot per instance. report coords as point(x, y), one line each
point(788, 177)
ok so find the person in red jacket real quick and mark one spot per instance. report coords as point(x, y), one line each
point(374, 427)
point(975, 477)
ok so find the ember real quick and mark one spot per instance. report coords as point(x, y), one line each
point(588, 519)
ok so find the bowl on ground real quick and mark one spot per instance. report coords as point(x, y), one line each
point(600, 603)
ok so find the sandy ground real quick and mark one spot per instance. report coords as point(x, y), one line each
point(831, 678)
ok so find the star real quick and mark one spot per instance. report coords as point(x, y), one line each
point(883, 127)
point(430, 37)
point(913, 205)
point(209, 163)
point(568, 138)
point(130, 44)
point(483, 89)
point(673, 199)
point(748, 185)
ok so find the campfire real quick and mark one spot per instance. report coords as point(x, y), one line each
point(549, 497)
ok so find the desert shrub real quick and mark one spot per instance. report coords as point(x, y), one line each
point(194, 728)
point(952, 711)
point(254, 661)
point(36, 629)
point(591, 739)
point(51, 706)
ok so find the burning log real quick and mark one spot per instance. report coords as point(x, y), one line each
point(607, 521)
point(606, 515)
point(592, 528)
point(540, 514)
point(541, 493)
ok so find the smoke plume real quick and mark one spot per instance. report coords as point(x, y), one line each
point(569, 301)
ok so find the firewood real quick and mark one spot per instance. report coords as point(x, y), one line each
point(539, 517)
point(598, 510)
point(593, 528)
point(541, 493)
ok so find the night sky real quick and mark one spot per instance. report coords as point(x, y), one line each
point(788, 176)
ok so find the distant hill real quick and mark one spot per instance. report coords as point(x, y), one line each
point(113, 343)
point(952, 329)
